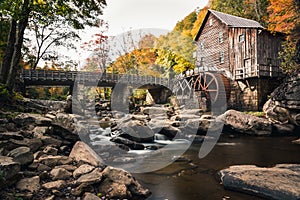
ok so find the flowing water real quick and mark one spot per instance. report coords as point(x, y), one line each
point(191, 178)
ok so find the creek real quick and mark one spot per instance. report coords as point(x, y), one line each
point(192, 178)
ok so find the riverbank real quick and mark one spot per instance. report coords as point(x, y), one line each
point(43, 150)
point(42, 157)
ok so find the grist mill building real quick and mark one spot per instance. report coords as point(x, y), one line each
point(244, 52)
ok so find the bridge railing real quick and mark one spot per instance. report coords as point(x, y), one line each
point(90, 77)
point(48, 75)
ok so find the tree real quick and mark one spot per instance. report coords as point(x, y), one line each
point(284, 17)
point(78, 13)
point(138, 62)
point(99, 49)
point(250, 9)
point(172, 62)
point(233, 7)
point(200, 17)
point(176, 49)
point(48, 32)
point(257, 10)
point(4, 29)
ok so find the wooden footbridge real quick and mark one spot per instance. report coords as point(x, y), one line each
point(203, 82)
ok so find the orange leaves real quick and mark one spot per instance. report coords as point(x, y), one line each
point(283, 16)
point(141, 61)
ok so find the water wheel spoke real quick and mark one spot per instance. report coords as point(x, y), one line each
point(209, 83)
point(210, 90)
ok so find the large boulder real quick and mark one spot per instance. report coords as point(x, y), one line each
point(29, 184)
point(81, 152)
point(284, 104)
point(119, 184)
point(22, 155)
point(9, 171)
point(24, 119)
point(135, 130)
point(66, 126)
point(279, 182)
point(243, 123)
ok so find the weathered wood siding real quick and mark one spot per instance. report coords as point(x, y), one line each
point(212, 47)
point(242, 53)
point(268, 46)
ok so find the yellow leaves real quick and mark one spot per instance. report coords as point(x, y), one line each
point(39, 2)
point(198, 22)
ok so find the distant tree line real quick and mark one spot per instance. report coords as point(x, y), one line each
point(21, 13)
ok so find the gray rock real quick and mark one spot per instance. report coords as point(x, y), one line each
point(52, 161)
point(283, 128)
point(83, 169)
point(11, 135)
point(296, 141)
point(29, 184)
point(120, 184)
point(284, 103)
point(34, 143)
point(60, 174)
point(84, 187)
point(136, 131)
point(90, 196)
point(131, 144)
point(22, 155)
point(91, 178)
point(47, 140)
point(279, 182)
point(67, 121)
point(42, 168)
point(247, 124)
point(50, 150)
point(154, 110)
point(70, 168)
point(39, 131)
point(81, 152)
point(9, 171)
point(169, 131)
point(24, 119)
point(60, 184)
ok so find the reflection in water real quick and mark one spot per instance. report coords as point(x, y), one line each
point(191, 178)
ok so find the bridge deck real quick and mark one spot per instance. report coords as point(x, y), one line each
point(68, 78)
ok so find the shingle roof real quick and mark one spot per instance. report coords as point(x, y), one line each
point(230, 20)
point(234, 21)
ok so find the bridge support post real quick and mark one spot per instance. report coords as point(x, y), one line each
point(71, 87)
point(160, 95)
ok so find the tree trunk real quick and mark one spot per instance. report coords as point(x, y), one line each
point(14, 66)
point(9, 51)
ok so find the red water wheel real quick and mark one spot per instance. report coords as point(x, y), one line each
point(211, 86)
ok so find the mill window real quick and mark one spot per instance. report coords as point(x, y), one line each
point(222, 57)
point(202, 45)
point(210, 22)
point(202, 61)
point(241, 38)
point(220, 37)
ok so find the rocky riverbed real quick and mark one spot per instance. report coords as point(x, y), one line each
point(42, 158)
point(56, 155)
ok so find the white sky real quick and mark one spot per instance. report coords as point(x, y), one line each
point(123, 15)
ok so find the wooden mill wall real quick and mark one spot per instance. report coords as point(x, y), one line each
point(268, 46)
point(242, 53)
point(212, 47)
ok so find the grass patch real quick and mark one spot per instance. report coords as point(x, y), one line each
point(256, 113)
